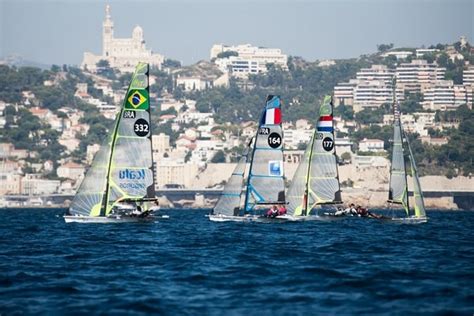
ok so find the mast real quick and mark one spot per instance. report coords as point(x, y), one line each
point(306, 188)
point(405, 168)
point(247, 191)
point(337, 197)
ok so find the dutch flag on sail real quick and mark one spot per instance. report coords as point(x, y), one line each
point(325, 124)
point(272, 116)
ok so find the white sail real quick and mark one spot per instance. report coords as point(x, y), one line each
point(419, 206)
point(229, 201)
point(316, 180)
point(123, 168)
point(265, 184)
point(398, 189)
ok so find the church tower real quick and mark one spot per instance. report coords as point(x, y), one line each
point(107, 33)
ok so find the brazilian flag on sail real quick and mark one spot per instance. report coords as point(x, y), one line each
point(137, 99)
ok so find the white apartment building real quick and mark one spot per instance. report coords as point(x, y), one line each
point(372, 94)
point(468, 76)
point(174, 172)
point(376, 72)
point(344, 93)
point(71, 170)
point(398, 54)
point(444, 95)
point(371, 88)
point(32, 184)
point(373, 145)
point(250, 59)
point(193, 83)
point(420, 52)
point(294, 137)
point(121, 53)
point(418, 75)
point(161, 143)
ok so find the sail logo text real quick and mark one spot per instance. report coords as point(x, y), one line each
point(129, 174)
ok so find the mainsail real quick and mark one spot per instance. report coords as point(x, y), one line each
point(229, 201)
point(398, 190)
point(265, 183)
point(123, 167)
point(417, 193)
point(316, 180)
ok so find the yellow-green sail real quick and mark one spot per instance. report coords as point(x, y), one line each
point(123, 167)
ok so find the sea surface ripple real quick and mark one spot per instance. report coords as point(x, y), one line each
point(189, 266)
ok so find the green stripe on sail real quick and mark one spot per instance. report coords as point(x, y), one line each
point(326, 108)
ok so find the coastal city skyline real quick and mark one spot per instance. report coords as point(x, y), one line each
point(299, 29)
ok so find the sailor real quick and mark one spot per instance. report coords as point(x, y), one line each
point(137, 211)
point(272, 212)
point(362, 212)
point(340, 212)
point(282, 210)
point(155, 207)
point(351, 210)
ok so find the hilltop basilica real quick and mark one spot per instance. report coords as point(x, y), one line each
point(121, 53)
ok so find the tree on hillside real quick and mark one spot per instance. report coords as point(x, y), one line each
point(384, 47)
point(227, 54)
point(219, 157)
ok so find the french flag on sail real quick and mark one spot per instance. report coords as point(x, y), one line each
point(325, 124)
point(272, 116)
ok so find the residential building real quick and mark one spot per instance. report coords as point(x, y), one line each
point(250, 59)
point(343, 145)
point(169, 171)
point(374, 145)
point(121, 53)
point(418, 75)
point(161, 143)
point(10, 183)
point(444, 95)
point(32, 184)
point(398, 54)
point(376, 73)
point(372, 87)
point(435, 141)
point(468, 76)
point(195, 83)
point(71, 170)
point(420, 52)
point(344, 93)
point(372, 94)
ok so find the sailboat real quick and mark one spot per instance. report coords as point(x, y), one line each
point(247, 200)
point(398, 187)
point(119, 186)
point(316, 181)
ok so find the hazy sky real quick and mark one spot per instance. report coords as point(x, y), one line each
point(60, 31)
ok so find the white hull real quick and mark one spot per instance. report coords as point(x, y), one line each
point(105, 220)
point(411, 220)
point(245, 219)
point(308, 218)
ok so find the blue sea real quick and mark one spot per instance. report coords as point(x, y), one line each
point(189, 266)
